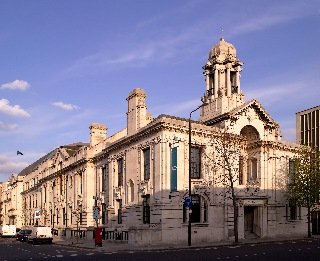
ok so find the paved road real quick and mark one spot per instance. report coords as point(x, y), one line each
point(304, 250)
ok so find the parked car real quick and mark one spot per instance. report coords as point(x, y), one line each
point(23, 235)
point(40, 234)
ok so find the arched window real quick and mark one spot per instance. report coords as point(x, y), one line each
point(199, 212)
point(250, 133)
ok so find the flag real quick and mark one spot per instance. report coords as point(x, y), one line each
point(19, 153)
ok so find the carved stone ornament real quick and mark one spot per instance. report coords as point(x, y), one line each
point(117, 193)
point(144, 187)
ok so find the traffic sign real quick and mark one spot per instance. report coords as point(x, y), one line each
point(96, 212)
point(188, 202)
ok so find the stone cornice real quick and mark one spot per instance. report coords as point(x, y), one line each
point(55, 174)
point(161, 123)
point(274, 145)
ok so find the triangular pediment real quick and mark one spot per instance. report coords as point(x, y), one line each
point(249, 113)
point(254, 107)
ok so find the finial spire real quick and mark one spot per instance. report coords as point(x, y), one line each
point(221, 38)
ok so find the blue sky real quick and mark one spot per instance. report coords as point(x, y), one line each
point(66, 64)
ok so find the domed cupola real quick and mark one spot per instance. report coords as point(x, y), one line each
point(223, 51)
point(222, 75)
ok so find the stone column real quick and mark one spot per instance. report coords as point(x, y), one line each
point(207, 82)
point(228, 82)
point(238, 80)
point(215, 86)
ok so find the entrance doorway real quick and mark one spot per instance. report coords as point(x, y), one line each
point(250, 222)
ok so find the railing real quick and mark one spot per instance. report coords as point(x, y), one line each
point(117, 235)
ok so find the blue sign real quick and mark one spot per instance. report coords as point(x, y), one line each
point(188, 202)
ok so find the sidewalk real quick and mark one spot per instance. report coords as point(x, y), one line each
point(114, 247)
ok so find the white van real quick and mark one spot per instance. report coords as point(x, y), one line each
point(8, 230)
point(40, 234)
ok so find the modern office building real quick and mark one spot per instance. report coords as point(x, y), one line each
point(307, 133)
point(307, 127)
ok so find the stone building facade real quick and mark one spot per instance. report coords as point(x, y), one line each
point(10, 201)
point(139, 176)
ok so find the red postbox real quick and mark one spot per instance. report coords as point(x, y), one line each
point(98, 237)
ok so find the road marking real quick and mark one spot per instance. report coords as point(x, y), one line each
point(59, 255)
point(90, 254)
point(233, 246)
point(73, 254)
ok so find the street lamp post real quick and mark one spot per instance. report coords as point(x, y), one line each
point(190, 207)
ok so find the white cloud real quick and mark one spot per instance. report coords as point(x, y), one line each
point(8, 166)
point(7, 127)
point(273, 15)
point(274, 93)
point(14, 110)
point(65, 106)
point(181, 109)
point(15, 85)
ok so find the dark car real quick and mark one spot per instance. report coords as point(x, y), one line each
point(23, 235)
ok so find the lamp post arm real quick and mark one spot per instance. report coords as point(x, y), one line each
point(189, 220)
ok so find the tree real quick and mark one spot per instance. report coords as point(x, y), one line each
point(304, 180)
point(224, 163)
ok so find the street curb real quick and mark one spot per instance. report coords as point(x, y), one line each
point(167, 248)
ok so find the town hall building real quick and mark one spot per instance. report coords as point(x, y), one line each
point(140, 177)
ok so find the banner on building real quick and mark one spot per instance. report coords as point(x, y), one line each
point(37, 214)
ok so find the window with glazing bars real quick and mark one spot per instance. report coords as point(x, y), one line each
point(146, 209)
point(146, 164)
point(120, 172)
point(195, 162)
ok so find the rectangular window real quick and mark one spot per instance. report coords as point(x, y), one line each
point(146, 164)
point(195, 162)
point(64, 216)
point(174, 170)
point(57, 211)
point(292, 171)
point(103, 178)
point(120, 172)
point(60, 185)
point(253, 169)
point(196, 210)
point(294, 211)
point(146, 209)
point(103, 214)
point(119, 211)
point(240, 170)
point(80, 182)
